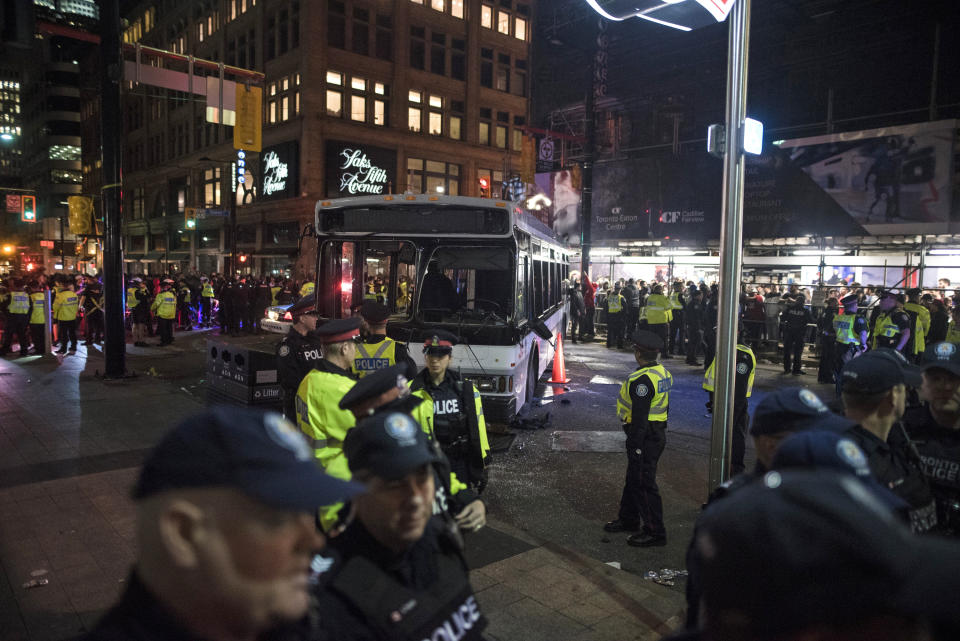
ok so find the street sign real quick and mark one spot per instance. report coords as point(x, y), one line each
point(211, 213)
point(13, 203)
point(685, 15)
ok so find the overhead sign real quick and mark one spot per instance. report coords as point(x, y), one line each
point(248, 130)
point(280, 170)
point(685, 15)
point(359, 170)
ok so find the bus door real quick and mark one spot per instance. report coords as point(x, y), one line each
point(370, 270)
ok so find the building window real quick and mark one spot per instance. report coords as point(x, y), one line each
point(336, 24)
point(379, 113)
point(501, 137)
point(495, 180)
point(486, 16)
point(413, 119)
point(361, 31)
point(334, 95)
point(433, 177)
point(455, 123)
point(503, 22)
point(436, 123)
point(138, 200)
point(358, 108)
point(520, 29)
point(502, 78)
point(384, 38)
point(437, 5)
point(458, 59)
point(418, 47)
point(438, 54)
point(211, 186)
point(484, 133)
point(486, 68)
point(456, 8)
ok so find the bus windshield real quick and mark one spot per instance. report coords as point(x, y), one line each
point(466, 284)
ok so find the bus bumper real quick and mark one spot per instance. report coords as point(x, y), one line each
point(498, 408)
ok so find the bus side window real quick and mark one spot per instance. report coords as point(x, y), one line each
point(538, 287)
point(521, 306)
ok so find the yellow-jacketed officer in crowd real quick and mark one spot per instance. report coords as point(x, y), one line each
point(307, 288)
point(892, 327)
point(275, 290)
point(743, 389)
point(376, 350)
point(17, 308)
point(953, 329)
point(642, 407)
point(206, 302)
point(387, 390)
point(65, 306)
point(919, 324)
point(165, 307)
point(851, 330)
point(38, 317)
point(318, 413)
point(616, 318)
point(658, 313)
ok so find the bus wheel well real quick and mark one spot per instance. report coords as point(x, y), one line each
point(533, 373)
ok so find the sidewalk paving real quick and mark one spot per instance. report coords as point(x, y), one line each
point(70, 447)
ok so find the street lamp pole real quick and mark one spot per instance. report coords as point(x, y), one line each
point(731, 244)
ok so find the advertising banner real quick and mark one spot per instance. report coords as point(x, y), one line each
point(562, 190)
point(280, 171)
point(359, 170)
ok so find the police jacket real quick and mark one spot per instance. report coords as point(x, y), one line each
point(892, 466)
point(889, 327)
point(693, 315)
point(378, 351)
point(369, 593)
point(743, 388)
point(795, 319)
point(140, 616)
point(324, 424)
point(919, 327)
point(644, 401)
point(848, 328)
point(296, 357)
point(458, 423)
point(938, 451)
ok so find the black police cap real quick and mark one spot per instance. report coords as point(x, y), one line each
point(389, 445)
point(439, 342)
point(306, 304)
point(793, 409)
point(643, 339)
point(261, 454)
point(338, 330)
point(374, 312)
point(942, 355)
point(849, 299)
point(375, 384)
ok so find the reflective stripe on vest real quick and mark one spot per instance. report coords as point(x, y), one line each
point(373, 356)
point(843, 326)
point(19, 303)
point(708, 378)
point(885, 327)
point(38, 314)
point(614, 303)
point(662, 382)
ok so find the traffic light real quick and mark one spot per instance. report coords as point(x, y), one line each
point(28, 208)
point(484, 187)
point(190, 217)
point(243, 258)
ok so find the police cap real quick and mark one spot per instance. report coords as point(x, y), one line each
point(881, 366)
point(942, 355)
point(259, 453)
point(338, 330)
point(373, 312)
point(389, 445)
point(832, 554)
point(913, 291)
point(646, 340)
point(793, 409)
point(439, 343)
point(849, 300)
point(303, 306)
point(389, 383)
point(816, 449)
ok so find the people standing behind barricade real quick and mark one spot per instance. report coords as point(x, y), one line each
point(827, 340)
point(919, 325)
point(939, 319)
point(693, 319)
point(891, 328)
point(794, 320)
point(631, 297)
point(577, 311)
point(616, 318)
point(396, 573)
point(934, 430)
point(91, 302)
point(754, 316)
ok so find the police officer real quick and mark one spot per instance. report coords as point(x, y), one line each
point(395, 573)
point(38, 317)
point(892, 326)
point(65, 307)
point(743, 389)
point(184, 297)
point(206, 301)
point(642, 407)
point(934, 429)
point(616, 321)
point(678, 304)
point(794, 320)
point(874, 396)
point(225, 533)
point(376, 350)
point(298, 352)
point(458, 422)
point(141, 312)
point(827, 339)
point(318, 396)
point(631, 297)
point(91, 301)
point(307, 288)
point(850, 329)
point(693, 325)
point(387, 390)
point(17, 307)
point(165, 307)
point(658, 311)
point(919, 325)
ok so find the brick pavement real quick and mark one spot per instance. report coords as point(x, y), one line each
point(70, 446)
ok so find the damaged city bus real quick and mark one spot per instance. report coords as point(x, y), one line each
point(486, 270)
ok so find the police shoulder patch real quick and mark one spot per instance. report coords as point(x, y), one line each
point(852, 455)
point(642, 390)
point(284, 350)
point(742, 368)
point(812, 401)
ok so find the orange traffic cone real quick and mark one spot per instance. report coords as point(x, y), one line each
point(559, 368)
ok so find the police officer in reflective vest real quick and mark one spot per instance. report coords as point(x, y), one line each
point(387, 390)
point(206, 302)
point(318, 414)
point(38, 317)
point(396, 573)
point(919, 324)
point(892, 326)
point(616, 318)
point(65, 307)
point(376, 350)
point(18, 314)
point(642, 407)
point(851, 330)
point(743, 389)
point(658, 313)
point(298, 352)
point(307, 288)
point(458, 423)
point(165, 307)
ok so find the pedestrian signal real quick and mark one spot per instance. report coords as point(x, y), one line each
point(28, 208)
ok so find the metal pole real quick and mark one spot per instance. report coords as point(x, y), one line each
point(63, 241)
point(234, 263)
point(586, 197)
point(48, 324)
point(934, 73)
point(115, 338)
point(731, 243)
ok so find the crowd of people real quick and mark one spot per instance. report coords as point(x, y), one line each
point(155, 306)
